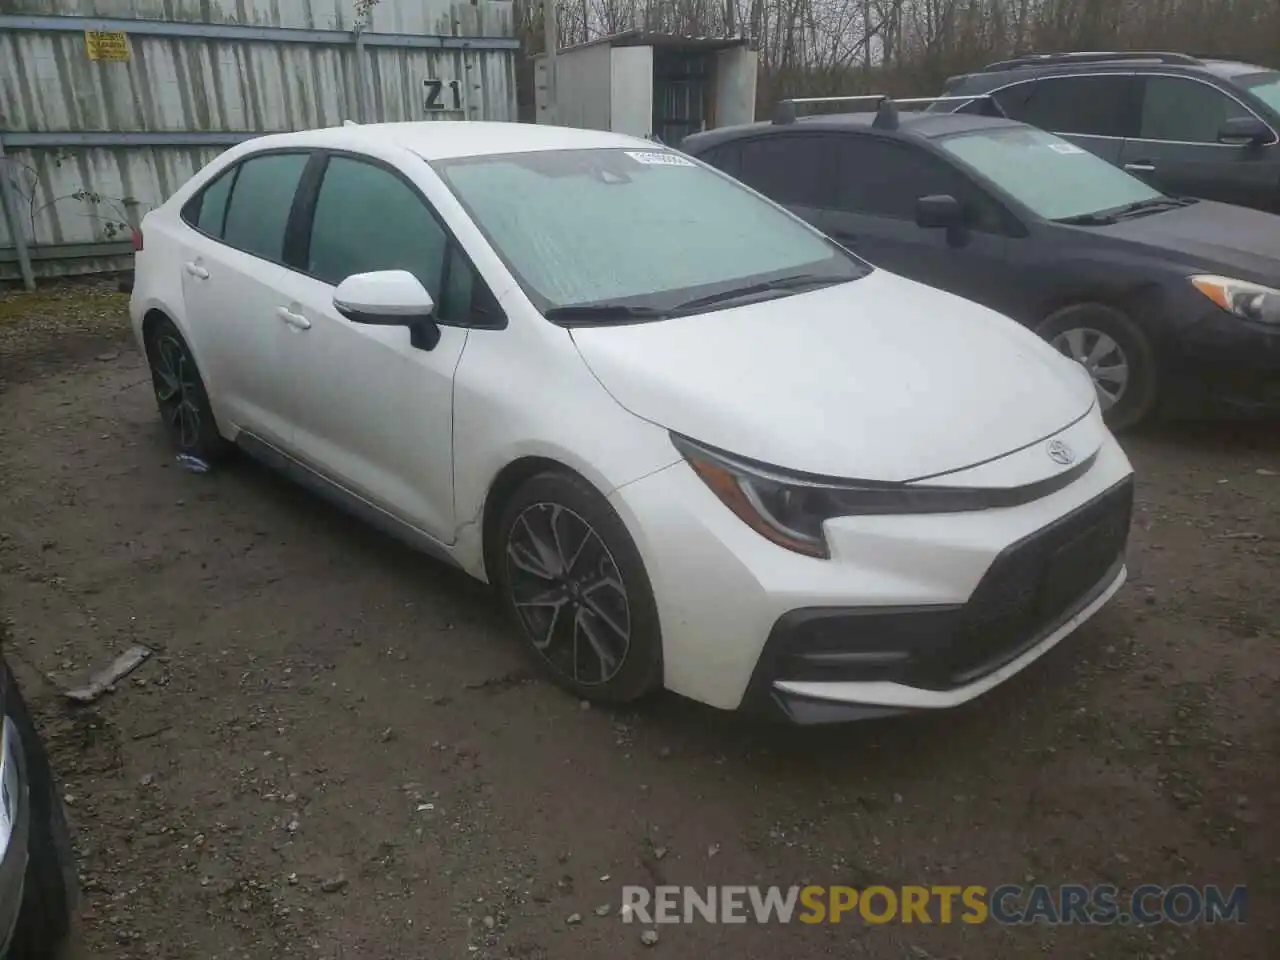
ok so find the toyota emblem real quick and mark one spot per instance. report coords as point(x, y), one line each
point(1059, 452)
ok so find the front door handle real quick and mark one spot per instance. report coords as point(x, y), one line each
point(196, 270)
point(296, 320)
point(1140, 166)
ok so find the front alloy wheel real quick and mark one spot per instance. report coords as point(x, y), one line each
point(575, 585)
point(568, 594)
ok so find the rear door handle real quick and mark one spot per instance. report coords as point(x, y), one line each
point(293, 319)
point(196, 270)
point(1140, 166)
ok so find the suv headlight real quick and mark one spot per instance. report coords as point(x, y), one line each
point(1252, 301)
point(790, 508)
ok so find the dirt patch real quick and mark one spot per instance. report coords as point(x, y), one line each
point(61, 322)
point(337, 750)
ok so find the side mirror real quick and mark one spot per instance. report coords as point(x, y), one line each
point(941, 210)
point(389, 298)
point(1244, 131)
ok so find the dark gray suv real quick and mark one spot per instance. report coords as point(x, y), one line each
point(1191, 126)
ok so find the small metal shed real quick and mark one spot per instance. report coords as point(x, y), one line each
point(648, 85)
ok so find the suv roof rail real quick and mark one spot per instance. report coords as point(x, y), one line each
point(1230, 57)
point(1049, 59)
point(886, 106)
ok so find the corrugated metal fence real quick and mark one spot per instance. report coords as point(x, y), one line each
point(107, 106)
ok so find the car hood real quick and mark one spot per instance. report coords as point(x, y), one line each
point(881, 378)
point(1235, 241)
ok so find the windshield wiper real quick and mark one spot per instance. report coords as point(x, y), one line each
point(1088, 220)
point(797, 282)
point(1150, 206)
point(593, 314)
point(1103, 218)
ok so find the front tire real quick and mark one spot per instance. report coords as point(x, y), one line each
point(573, 581)
point(50, 891)
point(181, 396)
point(1117, 355)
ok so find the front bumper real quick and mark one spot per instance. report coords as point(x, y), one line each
point(910, 612)
point(828, 665)
point(1223, 365)
point(15, 826)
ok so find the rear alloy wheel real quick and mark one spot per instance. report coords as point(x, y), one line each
point(180, 395)
point(574, 583)
point(1116, 354)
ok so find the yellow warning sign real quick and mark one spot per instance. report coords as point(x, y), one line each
point(106, 44)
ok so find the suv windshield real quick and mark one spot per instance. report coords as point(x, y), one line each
point(637, 232)
point(1264, 86)
point(1053, 178)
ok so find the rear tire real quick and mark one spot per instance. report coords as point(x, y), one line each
point(181, 398)
point(573, 581)
point(1117, 355)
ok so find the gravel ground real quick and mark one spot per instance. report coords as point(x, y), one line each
point(337, 750)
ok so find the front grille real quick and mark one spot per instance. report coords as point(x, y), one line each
point(1038, 583)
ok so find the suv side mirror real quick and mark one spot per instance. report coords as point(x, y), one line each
point(1244, 131)
point(389, 298)
point(939, 210)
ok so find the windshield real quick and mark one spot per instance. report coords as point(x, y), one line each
point(645, 228)
point(1264, 86)
point(1053, 178)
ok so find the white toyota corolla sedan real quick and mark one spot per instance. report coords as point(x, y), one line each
point(691, 441)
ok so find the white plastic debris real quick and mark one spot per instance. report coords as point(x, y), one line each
point(190, 463)
point(101, 681)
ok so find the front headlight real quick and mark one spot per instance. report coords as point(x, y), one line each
point(790, 508)
point(1252, 301)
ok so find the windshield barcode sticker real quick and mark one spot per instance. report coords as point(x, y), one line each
point(658, 158)
point(1065, 148)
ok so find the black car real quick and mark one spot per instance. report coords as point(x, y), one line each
point(1190, 126)
point(38, 887)
point(1170, 303)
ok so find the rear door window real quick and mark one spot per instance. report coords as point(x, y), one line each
point(796, 170)
point(260, 203)
point(1095, 106)
point(723, 157)
point(208, 210)
point(1186, 111)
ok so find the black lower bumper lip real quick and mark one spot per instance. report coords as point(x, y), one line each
point(1030, 591)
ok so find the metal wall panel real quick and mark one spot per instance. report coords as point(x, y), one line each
point(583, 83)
point(216, 88)
point(390, 16)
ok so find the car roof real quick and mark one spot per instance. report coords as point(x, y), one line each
point(911, 125)
point(988, 79)
point(447, 139)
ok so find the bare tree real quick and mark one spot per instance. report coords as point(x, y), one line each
point(823, 47)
